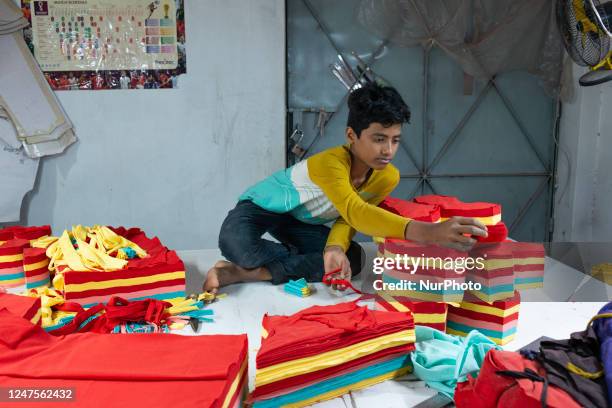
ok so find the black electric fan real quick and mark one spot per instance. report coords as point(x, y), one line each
point(585, 26)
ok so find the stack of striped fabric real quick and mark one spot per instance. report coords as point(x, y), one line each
point(497, 321)
point(35, 268)
point(430, 314)
point(325, 351)
point(497, 276)
point(528, 264)
point(430, 269)
point(159, 275)
point(409, 209)
point(15, 259)
point(11, 263)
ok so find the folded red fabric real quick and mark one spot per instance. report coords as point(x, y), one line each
point(318, 329)
point(507, 379)
point(153, 370)
point(452, 206)
point(28, 233)
point(23, 306)
point(412, 210)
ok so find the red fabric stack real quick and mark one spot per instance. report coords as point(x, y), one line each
point(137, 370)
point(161, 275)
point(13, 243)
point(325, 351)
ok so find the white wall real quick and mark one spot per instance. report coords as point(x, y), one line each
point(584, 195)
point(174, 161)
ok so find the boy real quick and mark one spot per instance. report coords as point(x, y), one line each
point(343, 184)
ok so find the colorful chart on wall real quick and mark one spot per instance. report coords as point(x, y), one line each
point(107, 44)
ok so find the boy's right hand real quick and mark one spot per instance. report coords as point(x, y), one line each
point(449, 233)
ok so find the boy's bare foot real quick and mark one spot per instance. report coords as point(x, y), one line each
point(225, 273)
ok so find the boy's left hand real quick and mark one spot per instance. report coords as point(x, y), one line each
point(335, 258)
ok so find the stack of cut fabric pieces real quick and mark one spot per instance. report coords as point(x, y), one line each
point(497, 320)
point(150, 271)
point(298, 287)
point(431, 270)
point(409, 209)
point(325, 351)
point(139, 370)
point(528, 264)
point(20, 267)
point(431, 314)
point(494, 272)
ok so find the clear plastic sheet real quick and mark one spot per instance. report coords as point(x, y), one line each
point(486, 37)
point(107, 44)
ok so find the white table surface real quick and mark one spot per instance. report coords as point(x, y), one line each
point(242, 310)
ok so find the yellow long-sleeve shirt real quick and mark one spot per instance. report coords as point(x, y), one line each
point(319, 190)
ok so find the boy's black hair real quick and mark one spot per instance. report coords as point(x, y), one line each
point(376, 103)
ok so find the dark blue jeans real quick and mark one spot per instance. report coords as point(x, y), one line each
point(299, 253)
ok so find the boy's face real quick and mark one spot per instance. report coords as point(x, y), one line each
point(377, 145)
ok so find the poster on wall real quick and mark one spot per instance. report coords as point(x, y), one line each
point(107, 44)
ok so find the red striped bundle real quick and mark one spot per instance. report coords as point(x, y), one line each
point(430, 314)
point(497, 275)
point(35, 267)
point(11, 263)
point(29, 233)
point(161, 275)
point(430, 268)
point(528, 264)
point(497, 321)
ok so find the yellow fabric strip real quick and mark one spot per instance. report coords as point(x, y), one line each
point(331, 358)
point(490, 309)
point(2, 243)
point(529, 261)
point(43, 242)
point(492, 264)
point(36, 318)
point(234, 387)
point(499, 342)
point(353, 387)
point(12, 282)
point(31, 267)
point(80, 287)
point(534, 285)
point(585, 374)
point(418, 317)
point(264, 333)
point(11, 258)
point(495, 219)
point(429, 318)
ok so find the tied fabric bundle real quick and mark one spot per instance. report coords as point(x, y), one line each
point(495, 272)
point(508, 379)
point(432, 270)
point(430, 314)
point(497, 320)
point(323, 352)
point(151, 370)
point(117, 316)
point(153, 272)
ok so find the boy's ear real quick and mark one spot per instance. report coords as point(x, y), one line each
point(351, 136)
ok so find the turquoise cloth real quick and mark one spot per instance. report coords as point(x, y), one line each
point(442, 360)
